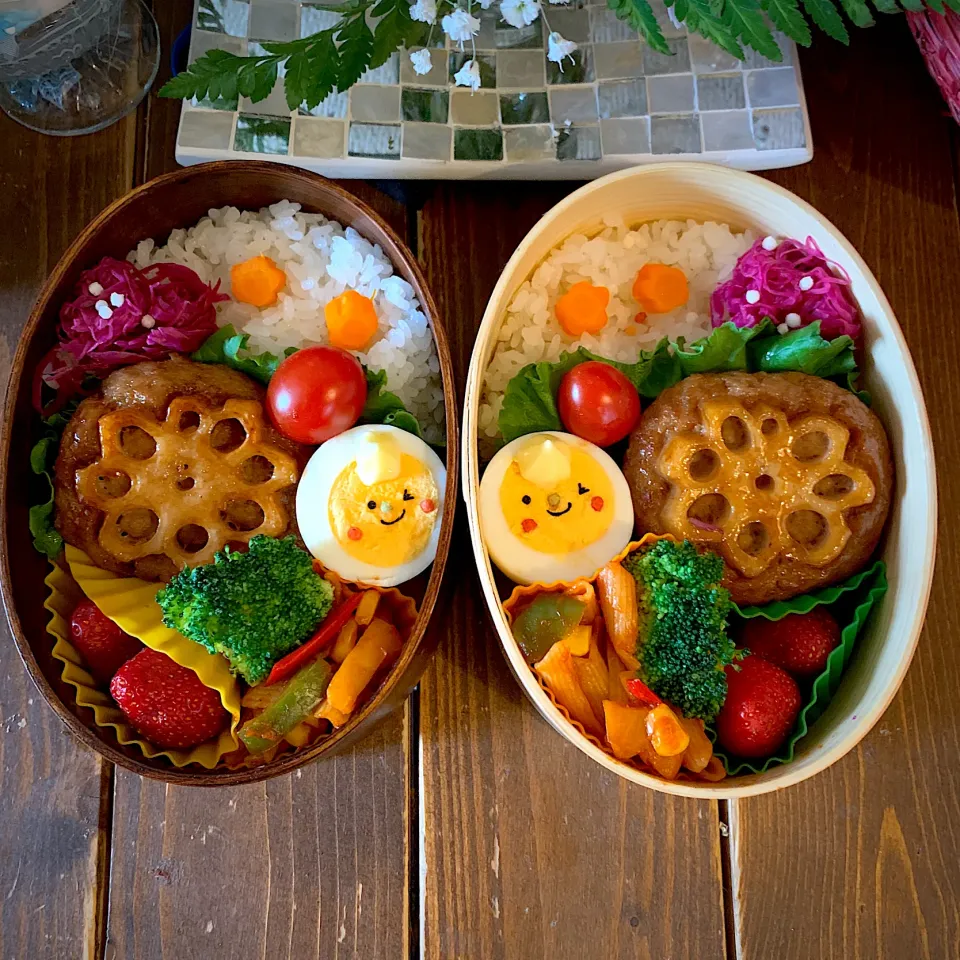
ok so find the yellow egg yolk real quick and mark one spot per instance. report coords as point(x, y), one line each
point(389, 522)
point(565, 516)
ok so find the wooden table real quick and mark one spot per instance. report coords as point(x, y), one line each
point(465, 828)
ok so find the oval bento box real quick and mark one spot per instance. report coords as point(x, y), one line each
point(180, 199)
point(705, 192)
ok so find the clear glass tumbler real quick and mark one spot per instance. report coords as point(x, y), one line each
point(74, 66)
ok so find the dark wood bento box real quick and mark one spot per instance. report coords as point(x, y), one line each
point(175, 200)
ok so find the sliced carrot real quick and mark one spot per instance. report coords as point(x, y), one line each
point(351, 320)
point(257, 281)
point(660, 288)
point(583, 309)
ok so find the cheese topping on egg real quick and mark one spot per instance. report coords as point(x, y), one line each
point(553, 507)
point(369, 505)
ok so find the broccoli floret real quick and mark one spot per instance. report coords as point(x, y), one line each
point(683, 632)
point(251, 607)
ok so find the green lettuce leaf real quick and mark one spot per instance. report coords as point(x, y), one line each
point(228, 347)
point(529, 402)
point(42, 457)
point(382, 406)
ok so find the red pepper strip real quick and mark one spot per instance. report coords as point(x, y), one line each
point(293, 661)
point(640, 691)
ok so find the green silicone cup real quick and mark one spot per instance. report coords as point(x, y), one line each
point(850, 601)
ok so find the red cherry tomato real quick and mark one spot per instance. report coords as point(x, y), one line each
point(317, 393)
point(598, 403)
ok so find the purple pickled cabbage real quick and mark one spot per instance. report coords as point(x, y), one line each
point(776, 275)
point(137, 315)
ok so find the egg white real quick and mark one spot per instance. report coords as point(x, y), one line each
point(523, 564)
point(313, 498)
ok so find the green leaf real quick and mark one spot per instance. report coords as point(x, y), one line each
point(803, 350)
point(529, 403)
point(824, 14)
point(40, 522)
point(745, 19)
point(891, 6)
point(954, 5)
point(639, 15)
point(355, 46)
point(43, 454)
point(787, 18)
point(858, 12)
point(325, 65)
point(385, 407)
point(226, 346)
point(698, 16)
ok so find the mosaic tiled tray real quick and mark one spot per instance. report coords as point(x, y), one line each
point(620, 103)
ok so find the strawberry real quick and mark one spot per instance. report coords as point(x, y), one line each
point(760, 710)
point(167, 703)
point(800, 642)
point(105, 648)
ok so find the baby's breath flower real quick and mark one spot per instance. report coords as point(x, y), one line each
point(468, 75)
point(424, 10)
point(558, 48)
point(421, 62)
point(519, 13)
point(460, 26)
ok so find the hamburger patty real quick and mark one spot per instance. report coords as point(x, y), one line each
point(734, 473)
point(146, 390)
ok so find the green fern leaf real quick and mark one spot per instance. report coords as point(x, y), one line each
point(745, 19)
point(698, 16)
point(824, 14)
point(888, 6)
point(914, 6)
point(355, 47)
point(936, 5)
point(954, 5)
point(639, 15)
point(325, 63)
point(858, 12)
point(787, 18)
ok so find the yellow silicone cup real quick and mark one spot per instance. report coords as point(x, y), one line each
point(132, 605)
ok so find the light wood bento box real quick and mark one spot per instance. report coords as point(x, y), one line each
point(701, 192)
point(180, 199)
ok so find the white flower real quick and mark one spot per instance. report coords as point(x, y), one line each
point(485, 4)
point(459, 26)
point(421, 62)
point(424, 10)
point(558, 48)
point(468, 75)
point(519, 13)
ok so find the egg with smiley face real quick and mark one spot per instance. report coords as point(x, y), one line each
point(553, 507)
point(369, 505)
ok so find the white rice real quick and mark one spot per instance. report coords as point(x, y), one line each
point(706, 252)
point(321, 260)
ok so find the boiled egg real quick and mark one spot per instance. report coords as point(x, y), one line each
point(369, 505)
point(553, 507)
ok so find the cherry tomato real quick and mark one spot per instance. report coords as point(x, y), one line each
point(598, 403)
point(317, 393)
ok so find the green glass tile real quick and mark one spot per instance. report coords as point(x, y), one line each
point(314, 18)
point(198, 128)
point(334, 107)
point(477, 145)
point(262, 135)
point(579, 143)
point(486, 61)
point(520, 38)
point(529, 143)
point(577, 68)
point(370, 103)
point(427, 106)
point(318, 138)
point(517, 108)
point(380, 140)
point(223, 16)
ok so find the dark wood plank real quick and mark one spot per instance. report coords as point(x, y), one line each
point(864, 858)
point(313, 864)
point(53, 844)
point(531, 850)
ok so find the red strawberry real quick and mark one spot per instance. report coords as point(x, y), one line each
point(167, 703)
point(105, 648)
point(760, 710)
point(800, 642)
